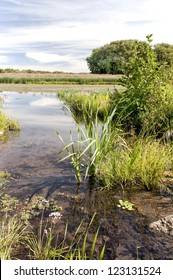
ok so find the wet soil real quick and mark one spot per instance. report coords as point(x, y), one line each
point(32, 159)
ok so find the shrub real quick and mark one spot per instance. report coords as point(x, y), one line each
point(147, 101)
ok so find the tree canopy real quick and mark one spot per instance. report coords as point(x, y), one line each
point(112, 58)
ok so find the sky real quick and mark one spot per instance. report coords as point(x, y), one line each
point(58, 35)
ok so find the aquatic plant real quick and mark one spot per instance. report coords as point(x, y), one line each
point(44, 245)
point(88, 105)
point(93, 142)
point(126, 205)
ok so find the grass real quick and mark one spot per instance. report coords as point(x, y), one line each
point(44, 244)
point(58, 80)
point(93, 142)
point(7, 124)
point(102, 150)
point(86, 105)
point(142, 164)
point(11, 234)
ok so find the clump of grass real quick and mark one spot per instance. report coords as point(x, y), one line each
point(142, 164)
point(92, 144)
point(86, 105)
point(7, 124)
point(11, 234)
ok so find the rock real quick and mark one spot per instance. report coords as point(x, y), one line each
point(164, 225)
point(1, 133)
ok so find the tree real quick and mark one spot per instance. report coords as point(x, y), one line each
point(112, 58)
point(164, 53)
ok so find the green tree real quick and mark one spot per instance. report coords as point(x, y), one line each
point(111, 58)
point(164, 53)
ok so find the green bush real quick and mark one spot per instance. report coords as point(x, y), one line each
point(147, 101)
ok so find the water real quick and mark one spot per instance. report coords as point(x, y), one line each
point(32, 158)
point(34, 153)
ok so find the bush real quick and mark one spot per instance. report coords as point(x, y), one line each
point(147, 101)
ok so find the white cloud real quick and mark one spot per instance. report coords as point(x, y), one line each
point(88, 24)
point(45, 101)
point(3, 59)
point(47, 57)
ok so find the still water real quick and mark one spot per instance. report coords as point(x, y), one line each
point(32, 155)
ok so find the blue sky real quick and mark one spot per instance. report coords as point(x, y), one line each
point(58, 35)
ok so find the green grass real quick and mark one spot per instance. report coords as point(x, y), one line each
point(45, 245)
point(141, 164)
point(11, 234)
point(87, 105)
point(7, 124)
point(60, 81)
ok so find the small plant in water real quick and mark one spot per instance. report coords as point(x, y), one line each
point(126, 205)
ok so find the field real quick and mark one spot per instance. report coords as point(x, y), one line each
point(58, 78)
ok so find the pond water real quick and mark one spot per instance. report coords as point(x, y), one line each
point(32, 159)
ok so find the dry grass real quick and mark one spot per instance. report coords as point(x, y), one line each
point(60, 75)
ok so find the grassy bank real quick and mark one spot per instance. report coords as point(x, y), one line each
point(127, 149)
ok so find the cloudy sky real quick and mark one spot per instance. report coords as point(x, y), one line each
point(58, 35)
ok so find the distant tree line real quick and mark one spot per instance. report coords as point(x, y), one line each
point(112, 58)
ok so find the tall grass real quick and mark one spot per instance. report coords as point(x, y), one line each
point(141, 164)
point(86, 105)
point(93, 143)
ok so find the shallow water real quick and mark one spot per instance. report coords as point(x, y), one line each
point(34, 153)
point(32, 159)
